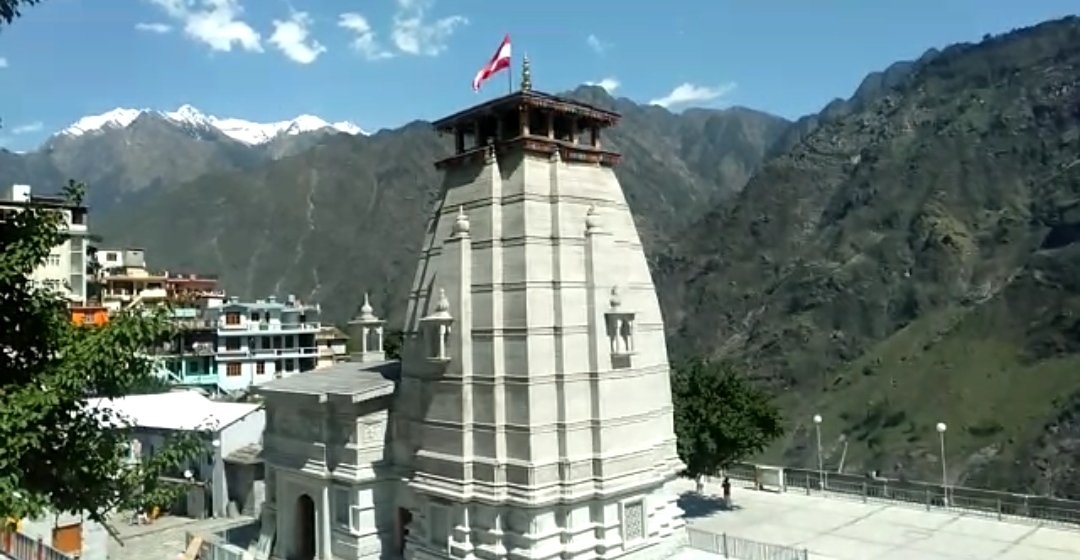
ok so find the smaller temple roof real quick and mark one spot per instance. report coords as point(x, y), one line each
point(357, 380)
point(532, 98)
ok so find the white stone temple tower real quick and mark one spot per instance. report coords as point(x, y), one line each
point(534, 415)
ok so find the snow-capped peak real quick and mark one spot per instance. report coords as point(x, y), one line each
point(117, 118)
point(238, 129)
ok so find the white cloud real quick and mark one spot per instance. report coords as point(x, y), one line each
point(3, 62)
point(215, 23)
point(291, 37)
point(28, 128)
point(413, 34)
point(610, 84)
point(690, 93)
point(598, 46)
point(364, 39)
point(153, 27)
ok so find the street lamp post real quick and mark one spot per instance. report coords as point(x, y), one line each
point(941, 427)
point(820, 462)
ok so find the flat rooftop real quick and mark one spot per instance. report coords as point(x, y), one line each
point(837, 527)
point(175, 410)
point(356, 380)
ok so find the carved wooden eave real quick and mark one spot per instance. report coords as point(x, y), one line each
point(537, 145)
point(523, 99)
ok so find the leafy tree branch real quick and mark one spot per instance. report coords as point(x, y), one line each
point(57, 452)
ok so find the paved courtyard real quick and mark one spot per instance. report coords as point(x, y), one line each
point(839, 528)
point(165, 539)
point(831, 528)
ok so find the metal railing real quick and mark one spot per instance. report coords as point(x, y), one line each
point(18, 546)
point(993, 504)
point(226, 544)
point(742, 549)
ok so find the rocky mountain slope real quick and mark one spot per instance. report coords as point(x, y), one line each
point(914, 262)
point(348, 214)
point(120, 153)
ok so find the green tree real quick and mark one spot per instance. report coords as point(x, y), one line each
point(58, 453)
point(720, 417)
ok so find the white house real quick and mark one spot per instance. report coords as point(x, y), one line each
point(229, 428)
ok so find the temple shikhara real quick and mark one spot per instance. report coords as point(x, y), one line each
point(530, 416)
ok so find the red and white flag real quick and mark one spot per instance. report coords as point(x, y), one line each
point(500, 61)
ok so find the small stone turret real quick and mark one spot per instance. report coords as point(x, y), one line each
point(366, 335)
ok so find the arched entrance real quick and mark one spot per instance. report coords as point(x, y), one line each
point(303, 546)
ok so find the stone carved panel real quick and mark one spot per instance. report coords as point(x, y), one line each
point(633, 521)
point(374, 433)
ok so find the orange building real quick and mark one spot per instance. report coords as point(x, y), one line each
point(89, 315)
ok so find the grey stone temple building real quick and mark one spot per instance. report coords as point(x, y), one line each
point(530, 416)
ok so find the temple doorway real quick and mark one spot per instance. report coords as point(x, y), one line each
point(304, 539)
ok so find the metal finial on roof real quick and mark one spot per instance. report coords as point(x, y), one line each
point(526, 74)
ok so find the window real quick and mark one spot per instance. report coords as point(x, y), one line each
point(232, 318)
point(260, 368)
point(232, 370)
point(342, 506)
point(277, 366)
point(266, 343)
point(255, 317)
point(232, 343)
point(290, 365)
point(54, 260)
point(111, 257)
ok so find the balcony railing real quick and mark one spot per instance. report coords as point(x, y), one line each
point(193, 324)
point(232, 352)
point(21, 547)
point(284, 351)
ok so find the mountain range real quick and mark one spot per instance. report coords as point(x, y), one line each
point(904, 257)
point(196, 122)
point(121, 152)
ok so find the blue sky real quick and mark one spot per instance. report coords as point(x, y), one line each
point(383, 63)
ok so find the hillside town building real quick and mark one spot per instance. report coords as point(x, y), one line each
point(64, 270)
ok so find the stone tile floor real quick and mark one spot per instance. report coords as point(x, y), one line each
point(830, 527)
point(840, 528)
point(164, 539)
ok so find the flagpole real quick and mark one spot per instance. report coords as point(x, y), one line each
point(510, 76)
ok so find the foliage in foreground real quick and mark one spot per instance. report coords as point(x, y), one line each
point(56, 453)
point(720, 417)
